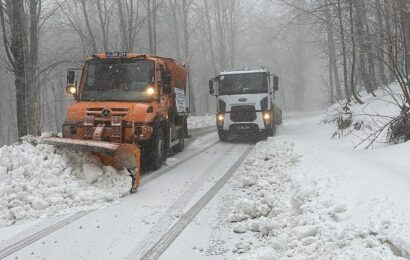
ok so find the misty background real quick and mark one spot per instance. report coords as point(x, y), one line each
point(208, 35)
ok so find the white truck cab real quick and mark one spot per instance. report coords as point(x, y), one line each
point(245, 103)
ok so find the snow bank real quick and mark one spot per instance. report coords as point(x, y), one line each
point(287, 207)
point(368, 118)
point(40, 181)
point(195, 122)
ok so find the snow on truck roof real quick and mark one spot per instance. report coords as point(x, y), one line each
point(242, 72)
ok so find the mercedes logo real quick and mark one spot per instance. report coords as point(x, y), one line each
point(106, 112)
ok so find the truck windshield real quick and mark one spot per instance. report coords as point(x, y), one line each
point(118, 80)
point(246, 83)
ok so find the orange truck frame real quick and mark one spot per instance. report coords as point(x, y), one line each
point(129, 109)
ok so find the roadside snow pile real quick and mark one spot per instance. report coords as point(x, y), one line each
point(366, 124)
point(40, 181)
point(281, 212)
point(195, 122)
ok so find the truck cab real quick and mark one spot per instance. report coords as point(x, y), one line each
point(245, 103)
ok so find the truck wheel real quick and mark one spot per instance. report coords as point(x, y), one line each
point(158, 150)
point(180, 147)
point(186, 134)
point(271, 131)
point(223, 136)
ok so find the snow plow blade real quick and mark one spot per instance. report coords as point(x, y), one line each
point(117, 155)
point(83, 145)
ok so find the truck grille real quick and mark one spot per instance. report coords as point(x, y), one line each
point(98, 112)
point(243, 114)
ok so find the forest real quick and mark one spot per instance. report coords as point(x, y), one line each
point(324, 51)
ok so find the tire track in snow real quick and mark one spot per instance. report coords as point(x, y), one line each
point(167, 239)
point(168, 218)
point(20, 244)
point(26, 238)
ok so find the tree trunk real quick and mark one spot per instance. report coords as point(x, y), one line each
point(92, 40)
point(344, 54)
point(380, 43)
point(174, 5)
point(150, 31)
point(154, 26)
point(17, 48)
point(405, 19)
point(232, 23)
point(210, 37)
point(333, 67)
point(353, 69)
point(103, 23)
point(220, 32)
point(388, 24)
point(123, 27)
point(32, 84)
point(364, 48)
point(185, 13)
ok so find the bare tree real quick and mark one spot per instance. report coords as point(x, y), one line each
point(14, 48)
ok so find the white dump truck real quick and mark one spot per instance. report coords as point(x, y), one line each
point(245, 103)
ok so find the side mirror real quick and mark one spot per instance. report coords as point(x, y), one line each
point(275, 83)
point(71, 87)
point(71, 77)
point(211, 87)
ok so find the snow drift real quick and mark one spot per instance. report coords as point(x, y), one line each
point(195, 122)
point(41, 181)
point(366, 125)
point(303, 195)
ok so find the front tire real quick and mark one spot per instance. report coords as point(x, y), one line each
point(180, 147)
point(158, 150)
point(223, 136)
point(271, 131)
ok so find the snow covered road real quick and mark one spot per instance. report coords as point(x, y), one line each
point(301, 195)
point(298, 195)
point(129, 228)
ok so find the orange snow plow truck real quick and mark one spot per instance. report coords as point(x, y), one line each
point(130, 109)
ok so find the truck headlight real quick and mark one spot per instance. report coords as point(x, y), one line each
point(150, 91)
point(71, 89)
point(266, 116)
point(220, 118)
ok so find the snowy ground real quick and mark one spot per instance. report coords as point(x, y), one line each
point(41, 181)
point(368, 118)
point(303, 195)
point(195, 122)
point(299, 195)
point(307, 197)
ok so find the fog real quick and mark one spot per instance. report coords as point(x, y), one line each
point(209, 36)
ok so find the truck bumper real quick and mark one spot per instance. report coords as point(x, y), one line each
point(242, 127)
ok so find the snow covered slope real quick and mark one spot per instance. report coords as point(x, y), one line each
point(368, 118)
